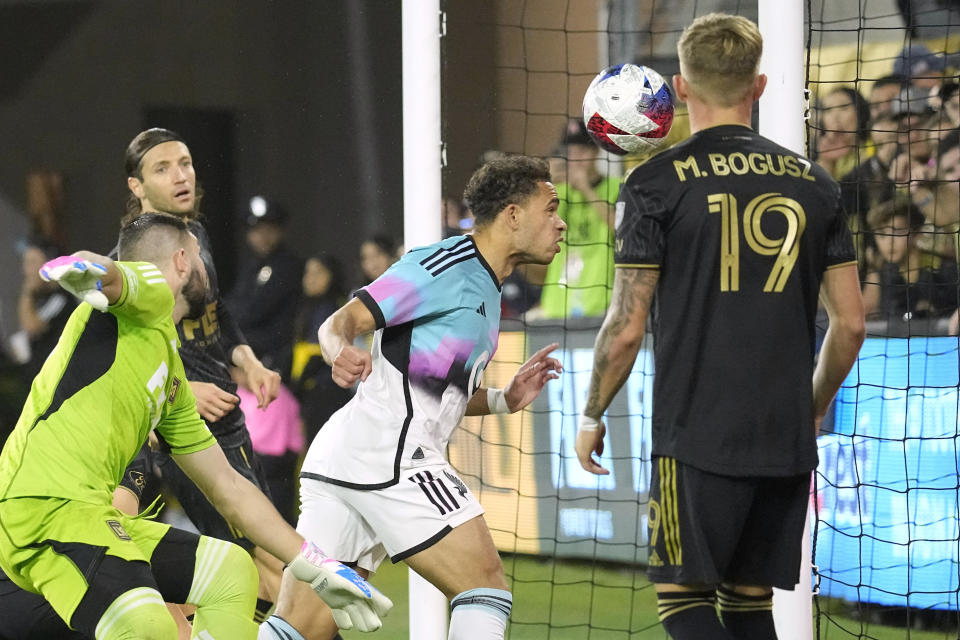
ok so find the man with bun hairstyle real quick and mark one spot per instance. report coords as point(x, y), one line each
point(161, 178)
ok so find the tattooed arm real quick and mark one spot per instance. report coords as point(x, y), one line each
point(614, 352)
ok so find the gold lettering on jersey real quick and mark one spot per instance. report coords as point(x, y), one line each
point(738, 163)
point(690, 164)
point(718, 164)
point(775, 170)
point(208, 321)
point(653, 522)
point(726, 205)
point(786, 248)
point(742, 164)
point(757, 166)
point(793, 167)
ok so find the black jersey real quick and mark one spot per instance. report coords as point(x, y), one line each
point(208, 342)
point(742, 231)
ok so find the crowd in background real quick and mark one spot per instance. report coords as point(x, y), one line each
point(895, 150)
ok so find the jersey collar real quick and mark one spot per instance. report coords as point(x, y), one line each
point(486, 265)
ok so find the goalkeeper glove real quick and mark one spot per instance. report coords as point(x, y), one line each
point(353, 601)
point(79, 277)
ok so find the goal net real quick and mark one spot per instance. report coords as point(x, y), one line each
point(885, 526)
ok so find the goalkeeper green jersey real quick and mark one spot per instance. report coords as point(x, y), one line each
point(111, 378)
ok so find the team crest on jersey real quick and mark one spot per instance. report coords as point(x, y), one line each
point(118, 530)
point(136, 477)
point(174, 387)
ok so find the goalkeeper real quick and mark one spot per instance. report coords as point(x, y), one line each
point(113, 376)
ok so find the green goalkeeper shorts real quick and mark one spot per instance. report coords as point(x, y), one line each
point(51, 546)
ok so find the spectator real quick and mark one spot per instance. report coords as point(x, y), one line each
point(921, 67)
point(917, 139)
point(903, 282)
point(457, 219)
point(882, 93)
point(868, 184)
point(268, 286)
point(377, 253)
point(949, 96)
point(844, 131)
point(43, 310)
point(578, 282)
point(519, 294)
point(45, 203)
point(938, 197)
point(323, 293)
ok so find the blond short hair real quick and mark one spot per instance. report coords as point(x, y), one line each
point(719, 57)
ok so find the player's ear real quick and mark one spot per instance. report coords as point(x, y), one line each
point(135, 186)
point(511, 214)
point(181, 263)
point(680, 87)
point(759, 85)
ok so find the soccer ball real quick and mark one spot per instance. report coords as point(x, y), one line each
point(628, 109)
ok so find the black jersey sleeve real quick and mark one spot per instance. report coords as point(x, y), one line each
point(230, 334)
point(641, 218)
point(137, 474)
point(839, 245)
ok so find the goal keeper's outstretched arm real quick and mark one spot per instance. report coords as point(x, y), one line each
point(354, 601)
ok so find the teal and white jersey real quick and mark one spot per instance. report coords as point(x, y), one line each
point(111, 379)
point(437, 312)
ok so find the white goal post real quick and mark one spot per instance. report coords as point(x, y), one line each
point(421, 213)
point(782, 108)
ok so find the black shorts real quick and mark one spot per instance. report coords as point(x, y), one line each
point(207, 520)
point(706, 528)
point(28, 616)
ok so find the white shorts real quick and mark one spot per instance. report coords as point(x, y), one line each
point(363, 527)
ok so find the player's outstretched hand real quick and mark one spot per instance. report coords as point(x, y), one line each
point(530, 378)
point(353, 601)
point(350, 365)
point(80, 277)
point(590, 441)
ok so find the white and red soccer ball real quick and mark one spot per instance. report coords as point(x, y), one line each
point(628, 108)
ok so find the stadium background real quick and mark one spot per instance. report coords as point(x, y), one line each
point(299, 98)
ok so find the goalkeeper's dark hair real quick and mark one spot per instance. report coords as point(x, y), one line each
point(152, 237)
point(503, 181)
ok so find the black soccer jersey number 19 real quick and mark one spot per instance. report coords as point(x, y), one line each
point(742, 231)
point(785, 247)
